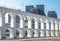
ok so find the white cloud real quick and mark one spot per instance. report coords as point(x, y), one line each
point(12, 4)
point(7, 3)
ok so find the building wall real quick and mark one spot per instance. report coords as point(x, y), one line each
point(50, 27)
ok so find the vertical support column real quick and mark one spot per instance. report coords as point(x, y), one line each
point(59, 29)
point(56, 26)
point(21, 22)
point(13, 25)
point(11, 35)
point(0, 24)
point(47, 26)
point(52, 29)
point(41, 33)
point(42, 29)
point(29, 23)
point(52, 26)
point(56, 29)
point(36, 24)
point(42, 25)
point(59, 26)
point(13, 21)
point(21, 34)
point(6, 16)
point(56, 33)
point(29, 33)
point(36, 33)
point(47, 29)
point(3, 24)
point(0, 20)
point(47, 33)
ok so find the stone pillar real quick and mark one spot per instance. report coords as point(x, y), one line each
point(56, 33)
point(0, 20)
point(42, 25)
point(6, 20)
point(56, 26)
point(36, 33)
point(21, 34)
point(52, 26)
point(29, 33)
point(56, 29)
point(47, 29)
point(52, 33)
point(41, 33)
point(13, 21)
point(0, 24)
point(42, 29)
point(3, 24)
point(47, 33)
point(13, 25)
point(47, 26)
point(11, 35)
point(52, 29)
point(21, 22)
point(36, 24)
point(29, 23)
point(59, 26)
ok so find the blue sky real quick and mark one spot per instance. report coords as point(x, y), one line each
point(50, 5)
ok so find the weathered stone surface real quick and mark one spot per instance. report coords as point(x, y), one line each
point(35, 39)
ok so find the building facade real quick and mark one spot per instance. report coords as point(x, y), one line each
point(52, 14)
point(18, 24)
point(28, 8)
point(39, 9)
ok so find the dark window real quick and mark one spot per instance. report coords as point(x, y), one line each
point(39, 25)
point(17, 33)
point(33, 23)
point(26, 23)
point(25, 33)
point(7, 33)
point(9, 19)
point(17, 19)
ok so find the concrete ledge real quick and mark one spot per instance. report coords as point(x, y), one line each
point(35, 39)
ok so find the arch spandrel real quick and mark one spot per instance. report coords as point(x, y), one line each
point(56, 22)
point(35, 31)
point(41, 19)
point(10, 30)
point(28, 17)
point(9, 14)
point(20, 30)
point(34, 18)
point(46, 21)
point(28, 31)
point(51, 21)
point(19, 15)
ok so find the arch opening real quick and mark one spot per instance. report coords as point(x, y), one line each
point(26, 22)
point(39, 24)
point(8, 18)
point(33, 23)
point(17, 34)
point(7, 33)
point(26, 34)
point(17, 21)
